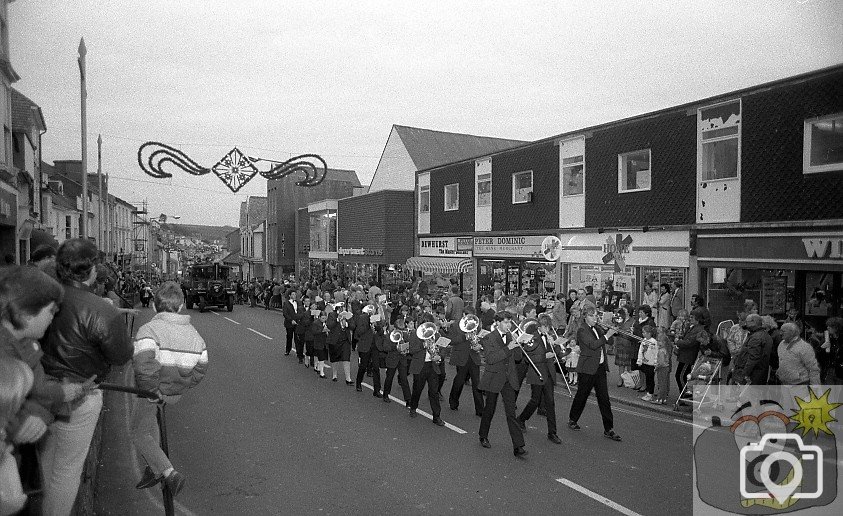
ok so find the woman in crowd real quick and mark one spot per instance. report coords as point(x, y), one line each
point(663, 318)
point(650, 297)
point(688, 348)
point(339, 347)
point(623, 344)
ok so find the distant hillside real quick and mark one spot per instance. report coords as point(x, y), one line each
point(207, 233)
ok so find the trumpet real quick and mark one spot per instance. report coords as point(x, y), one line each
point(427, 333)
point(619, 331)
point(527, 326)
point(469, 325)
point(397, 336)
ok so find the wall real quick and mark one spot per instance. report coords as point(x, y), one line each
point(381, 220)
point(461, 220)
point(395, 170)
point(543, 212)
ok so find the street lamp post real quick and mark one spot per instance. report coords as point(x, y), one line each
point(84, 94)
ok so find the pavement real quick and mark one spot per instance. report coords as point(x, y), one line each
point(264, 435)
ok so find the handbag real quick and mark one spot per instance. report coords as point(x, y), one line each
point(632, 379)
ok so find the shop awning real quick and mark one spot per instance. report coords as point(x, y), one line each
point(440, 265)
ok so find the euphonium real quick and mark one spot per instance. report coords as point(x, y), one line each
point(397, 336)
point(427, 333)
point(369, 309)
point(469, 325)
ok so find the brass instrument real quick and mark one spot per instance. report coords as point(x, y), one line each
point(397, 336)
point(524, 328)
point(552, 339)
point(427, 333)
point(469, 325)
point(618, 331)
point(369, 309)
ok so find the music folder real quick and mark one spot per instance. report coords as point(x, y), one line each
point(443, 342)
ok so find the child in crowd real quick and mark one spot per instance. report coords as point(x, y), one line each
point(571, 363)
point(170, 358)
point(680, 326)
point(16, 380)
point(664, 364)
point(647, 356)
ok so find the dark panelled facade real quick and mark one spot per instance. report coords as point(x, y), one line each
point(543, 212)
point(773, 186)
point(381, 220)
point(302, 233)
point(460, 220)
point(672, 140)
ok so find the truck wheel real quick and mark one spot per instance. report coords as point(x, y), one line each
point(201, 304)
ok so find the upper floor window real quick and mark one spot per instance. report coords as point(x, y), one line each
point(522, 187)
point(424, 199)
point(452, 197)
point(823, 144)
point(719, 141)
point(634, 171)
point(572, 176)
point(484, 190)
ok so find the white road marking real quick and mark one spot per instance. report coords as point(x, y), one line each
point(259, 333)
point(600, 498)
point(689, 423)
point(231, 320)
point(422, 412)
point(213, 312)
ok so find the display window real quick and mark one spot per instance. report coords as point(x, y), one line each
point(518, 278)
point(729, 289)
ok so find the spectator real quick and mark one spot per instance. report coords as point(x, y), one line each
point(44, 258)
point(559, 314)
point(751, 365)
point(663, 318)
point(87, 336)
point(455, 305)
point(569, 302)
point(797, 361)
point(650, 297)
point(687, 348)
point(677, 300)
point(15, 383)
point(831, 348)
point(771, 326)
point(698, 301)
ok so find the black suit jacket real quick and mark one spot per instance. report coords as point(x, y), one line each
point(500, 364)
point(461, 351)
point(290, 312)
point(590, 348)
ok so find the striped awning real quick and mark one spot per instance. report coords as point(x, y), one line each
point(440, 265)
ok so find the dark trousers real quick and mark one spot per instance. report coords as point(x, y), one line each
point(649, 377)
point(469, 370)
point(682, 371)
point(402, 380)
point(253, 300)
point(300, 346)
point(539, 394)
point(290, 333)
point(365, 359)
point(597, 381)
point(509, 395)
point(429, 376)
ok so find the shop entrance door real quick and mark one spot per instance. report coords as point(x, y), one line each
point(822, 297)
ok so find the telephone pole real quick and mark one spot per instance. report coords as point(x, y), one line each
point(83, 222)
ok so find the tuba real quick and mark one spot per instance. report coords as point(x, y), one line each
point(469, 325)
point(427, 333)
point(397, 336)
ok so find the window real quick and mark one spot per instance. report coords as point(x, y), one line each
point(572, 176)
point(68, 230)
point(634, 171)
point(522, 187)
point(719, 140)
point(424, 199)
point(452, 197)
point(823, 144)
point(484, 190)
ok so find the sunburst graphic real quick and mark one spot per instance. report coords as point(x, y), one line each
point(814, 413)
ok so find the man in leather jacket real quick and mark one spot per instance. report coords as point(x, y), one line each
point(87, 336)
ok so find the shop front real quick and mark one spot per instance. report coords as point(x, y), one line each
point(445, 261)
point(322, 250)
point(629, 260)
point(365, 264)
point(518, 265)
point(794, 271)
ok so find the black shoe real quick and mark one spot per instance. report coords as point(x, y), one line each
point(359, 388)
point(554, 439)
point(286, 354)
point(322, 376)
point(377, 394)
point(484, 442)
point(521, 424)
point(349, 382)
point(386, 399)
point(519, 451)
point(573, 425)
point(413, 413)
point(612, 435)
point(174, 482)
point(438, 421)
point(335, 379)
point(148, 479)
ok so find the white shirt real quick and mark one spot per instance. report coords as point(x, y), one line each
point(602, 358)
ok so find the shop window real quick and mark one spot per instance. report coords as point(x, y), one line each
point(719, 138)
point(522, 187)
point(634, 171)
point(823, 144)
point(572, 176)
point(484, 190)
point(424, 199)
point(452, 197)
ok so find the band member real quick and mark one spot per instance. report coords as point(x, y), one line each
point(425, 366)
point(397, 359)
point(339, 348)
point(318, 334)
point(305, 319)
point(543, 354)
point(467, 362)
point(501, 378)
point(290, 309)
point(529, 312)
point(592, 368)
point(364, 334)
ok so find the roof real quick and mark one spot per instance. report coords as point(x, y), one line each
point(429, 148)
point(252, 211)
point(26, 114)
point(63, 201)
point(348, 176)
point(233, 258)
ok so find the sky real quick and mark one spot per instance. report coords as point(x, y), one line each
point(279, 78)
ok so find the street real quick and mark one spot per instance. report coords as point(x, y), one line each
point(264, 435)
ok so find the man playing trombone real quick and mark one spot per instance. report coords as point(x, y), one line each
point(592, 368)
point(541, 350)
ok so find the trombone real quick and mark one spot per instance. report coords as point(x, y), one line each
point(517, 333)
point(617, 329)
point(552, 339)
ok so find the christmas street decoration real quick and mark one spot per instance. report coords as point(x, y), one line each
point(235, 169)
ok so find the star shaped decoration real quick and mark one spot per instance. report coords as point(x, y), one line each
point(235, 170)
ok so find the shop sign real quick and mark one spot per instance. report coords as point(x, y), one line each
point(551, 248)
point(615, 250)
point(636, 248)
point(815, 249)
point(446, 246)
point(509, 246)
point(359, 251)
point(623, 283)
point(824, 247)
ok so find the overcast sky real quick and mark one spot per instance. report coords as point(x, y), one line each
point(278, 78)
